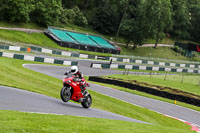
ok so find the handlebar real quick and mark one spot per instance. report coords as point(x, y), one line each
point(77, 79)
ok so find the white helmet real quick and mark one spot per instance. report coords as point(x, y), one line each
point(74, 69)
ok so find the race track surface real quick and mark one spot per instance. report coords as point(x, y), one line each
point(155, 105)
point(21, 100)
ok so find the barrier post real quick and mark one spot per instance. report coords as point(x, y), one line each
point(150, 74)
point(128, 72)
point(165, 76)
point(182, 78)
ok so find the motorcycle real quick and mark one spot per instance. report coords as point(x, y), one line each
point(75, 89)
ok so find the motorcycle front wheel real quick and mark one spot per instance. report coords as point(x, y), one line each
point(87, 101)
point(65, 94)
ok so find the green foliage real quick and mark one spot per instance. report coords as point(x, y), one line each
point(104, 20)
point(181, 19)
point(133, 26)
point(15, 11)
point(136, 20)
point(74, 16)
point(47, 12)
point(194, 8)
point(79, 18)
point(160, 20)
point(42, 12)
point(176, 48)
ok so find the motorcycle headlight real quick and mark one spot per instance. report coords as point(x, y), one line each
point(69, 81)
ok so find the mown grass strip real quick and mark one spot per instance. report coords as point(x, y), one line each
point(19, 122)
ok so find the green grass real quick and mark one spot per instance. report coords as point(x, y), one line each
point(18, 122)
point(164, 41)
point(42, 40)
point(159, 52)
point(39, 39)
point(190, 83)
point(13, 74)
point(33, 38)
point(149, 96)
point(21, 25)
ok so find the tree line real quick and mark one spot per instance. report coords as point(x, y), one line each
point(135, 20)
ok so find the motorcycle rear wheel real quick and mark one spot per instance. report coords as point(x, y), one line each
point(87, 101)
point(65, 94)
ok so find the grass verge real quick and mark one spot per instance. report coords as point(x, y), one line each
point(149, 96)
point(21, 25)
point(15, 75)
point(42, 40)
point(159, 52)
point(25, 122)
point(190, 85)
point(39, 39)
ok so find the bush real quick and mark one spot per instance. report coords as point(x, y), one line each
point(74, 16)
point(15, 10)
point(80, 19)
point(104, 20)
point(48, 12)
point(176, 48)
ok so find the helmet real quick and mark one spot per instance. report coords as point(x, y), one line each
point(74, 69)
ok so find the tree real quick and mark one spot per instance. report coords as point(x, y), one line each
point(181, 19)
point(105, 19)
point(48, 12)
point(158, 17)
point(194, 9)
point(124, 6)
point(15, 10)
point(133, 26)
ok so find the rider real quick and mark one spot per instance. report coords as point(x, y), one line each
point(74, 71)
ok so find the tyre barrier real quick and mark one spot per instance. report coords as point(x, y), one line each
point(37, 59)
point(164, 94)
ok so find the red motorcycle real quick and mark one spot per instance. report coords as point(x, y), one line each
point(75, 89)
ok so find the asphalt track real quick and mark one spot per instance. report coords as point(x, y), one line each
point(155, 105)
point(15, 99)
point(21, 100)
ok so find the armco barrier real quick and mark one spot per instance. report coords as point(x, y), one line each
point(150, 68)
point(148, 90)
point(37, 59)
